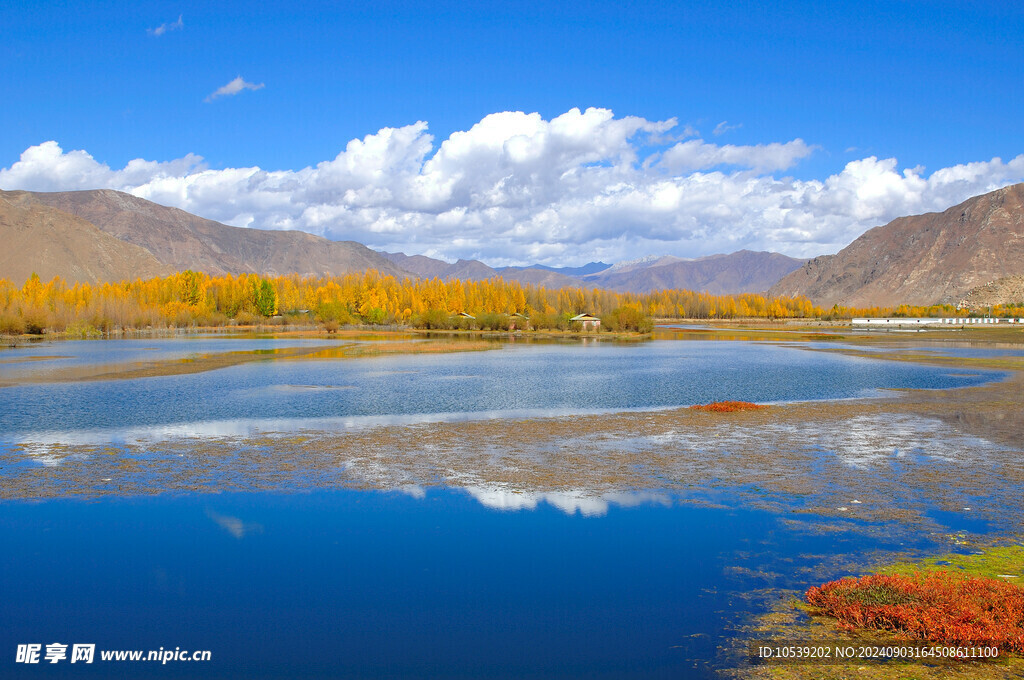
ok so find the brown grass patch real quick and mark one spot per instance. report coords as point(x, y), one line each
point(728, 406)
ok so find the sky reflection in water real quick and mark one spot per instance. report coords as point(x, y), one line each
point(485, 581)
point(366, 584)
point(516, 381)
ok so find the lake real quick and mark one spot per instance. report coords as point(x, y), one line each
point(518, 379)
point(482, 564)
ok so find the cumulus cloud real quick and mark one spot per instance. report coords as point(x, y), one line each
point(234, 87)
point(47, 167)
point(516, 189)
point(164, 28)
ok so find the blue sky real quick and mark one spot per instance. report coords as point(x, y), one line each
point(931, 85)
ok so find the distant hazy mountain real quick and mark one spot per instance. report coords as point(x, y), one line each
point(475, 270)
point(50, 242)
point(741, 272)
point(923, 259)
point(182, 241)
point(431, 268)
point(537, 276)
point(589, 268)
point(419, 265)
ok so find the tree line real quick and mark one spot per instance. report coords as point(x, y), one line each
point(188, 299)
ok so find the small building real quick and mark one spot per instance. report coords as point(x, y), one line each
point(588, 321)
point(465, 315)
point(518, 322)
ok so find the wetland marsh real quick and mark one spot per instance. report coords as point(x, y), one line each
point(536, 509)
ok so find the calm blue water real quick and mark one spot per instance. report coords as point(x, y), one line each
point(351, 584)
point(518, 379)
point(364, 584)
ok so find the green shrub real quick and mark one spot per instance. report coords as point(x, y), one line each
point(493, 322)
point(334, 311)
point(627, 319)
point(433, 319)
point(375, 316)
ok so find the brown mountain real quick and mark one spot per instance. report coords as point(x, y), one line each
point(921, 260)
point(535, 276)
point(420, 265)
point(744, 271)
point(475, 270)
point(430, 268)
point(51, 242)
point(1007, 290)
point(182, 241)
point(740, 272)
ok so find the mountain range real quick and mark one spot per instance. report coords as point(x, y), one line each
point(741, 272)
point(105, 235)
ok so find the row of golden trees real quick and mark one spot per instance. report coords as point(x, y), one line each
point(192, 298)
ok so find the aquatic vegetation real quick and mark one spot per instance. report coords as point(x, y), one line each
point(1003, 561)
point(938, 606)
point(728, 406)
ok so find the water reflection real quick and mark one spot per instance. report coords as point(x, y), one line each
point(516, 381)
point(41, 443)
point(587, 503)
point(234, 526)
point(358, 584)
point(862, 441)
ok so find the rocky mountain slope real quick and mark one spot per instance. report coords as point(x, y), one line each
point(923, 259)
point(49, 242)
point(1007, 290)
point(182, 241)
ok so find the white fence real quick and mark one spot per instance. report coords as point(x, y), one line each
point(939, 321)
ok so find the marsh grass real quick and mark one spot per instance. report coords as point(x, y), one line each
point(934, 605)
point(728, 406)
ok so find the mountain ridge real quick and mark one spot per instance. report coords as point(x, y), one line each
point(182, 240)
point(49, 242)
point(920, 259)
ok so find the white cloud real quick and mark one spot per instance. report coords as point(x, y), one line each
point(234, 87)
point(516, 188)
point(697, 154)
point(724, 127)
point(164, 28)
point(47, 167)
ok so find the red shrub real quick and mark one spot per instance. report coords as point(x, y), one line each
point(728, 406)
point(938, 606)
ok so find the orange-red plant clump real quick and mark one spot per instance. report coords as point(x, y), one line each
point(938, 606)
point(728, 406)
